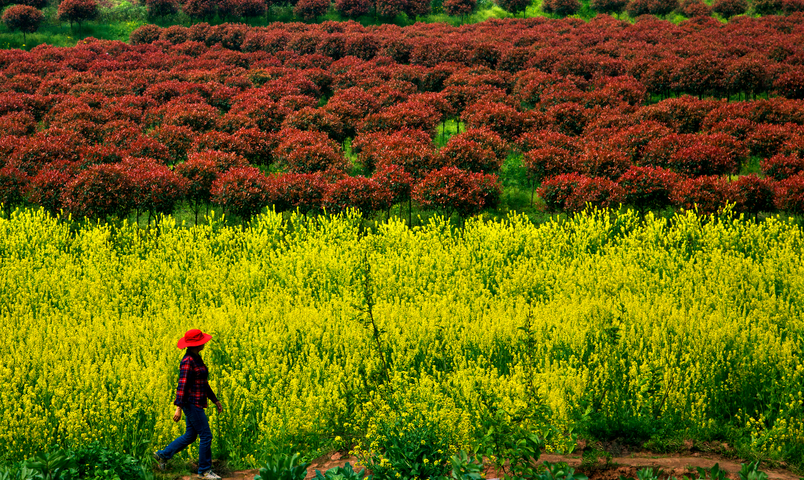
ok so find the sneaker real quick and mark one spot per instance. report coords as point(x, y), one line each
point(161, 463)
point(209, 475)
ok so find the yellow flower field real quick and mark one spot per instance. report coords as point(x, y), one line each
point(687, 326)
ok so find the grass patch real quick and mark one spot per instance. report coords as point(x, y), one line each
point(62, 36)
point(751, 166)
point(447, 130)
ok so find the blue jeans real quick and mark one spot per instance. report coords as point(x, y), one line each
point(197, 427)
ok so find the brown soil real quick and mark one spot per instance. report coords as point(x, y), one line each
point(624, 466)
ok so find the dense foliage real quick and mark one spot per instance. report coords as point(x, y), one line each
point(597, 99)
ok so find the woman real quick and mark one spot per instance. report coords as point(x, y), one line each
point(191, 398)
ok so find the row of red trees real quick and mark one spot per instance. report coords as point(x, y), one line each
point(651, 188)
point(146, 187)
point(565, 97)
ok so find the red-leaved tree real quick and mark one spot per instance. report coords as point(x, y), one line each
point(603, 159)
point(155, 188)
point(309, 118)
point(555, 191)
point(352, 8)
point(548, 161)
point(615, 7)
point(790, 84)
point(475, 150)
point(695, 8)
point(780, 167)
point(23, 18)
point(302, 151)
point(389, 8)
point(97, 154)
point(702, 159)
point(161, 8)
point(562, 8)
point(500, 118)
point(767, 139)
point(45, 188)
point(145, 34)
point(596, 192)
point(360, 193)
point(200, 173)
point(100, 191)
point(199, 9)
point(267, 114)
point(177, 140)
point(452, 190)
point(706, 194)
point(13, 183)
point(302, 191)
point(648, 188)
point(310, 9)
point(223, 160)
point(249, 8)
point(396, 180)
point(545, 162)
point(241, 191)
point(77, 11)
point(412, 150)
point(459, 8)
point(412, 115)
point(751, 194)
point(19, 124)
point(650, 7)
point(415, 8)
point(730, 8)
point(514, 6)
point(790, 194)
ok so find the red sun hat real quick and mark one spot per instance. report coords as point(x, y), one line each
point(193, 338)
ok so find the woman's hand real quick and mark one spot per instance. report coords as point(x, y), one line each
point(177, 415)
point(219, 407)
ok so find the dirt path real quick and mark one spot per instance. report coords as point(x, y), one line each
point(674, 465)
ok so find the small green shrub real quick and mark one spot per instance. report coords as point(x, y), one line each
point(15, 472)
point(283, 467)
point(342, 473)
point(59, 465)
point(559, 471)
point(648, 473)
point(750, 471)
point(98, 462)
point(466, 467)
point(714, 473)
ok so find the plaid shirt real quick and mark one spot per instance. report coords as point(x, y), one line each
point(193, 387)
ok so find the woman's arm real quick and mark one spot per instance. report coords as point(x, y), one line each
point(212, 397)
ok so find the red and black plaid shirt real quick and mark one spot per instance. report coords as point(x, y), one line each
point(193, 387)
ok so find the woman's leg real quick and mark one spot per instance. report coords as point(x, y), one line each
point(198, 418)
point(190, 434)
